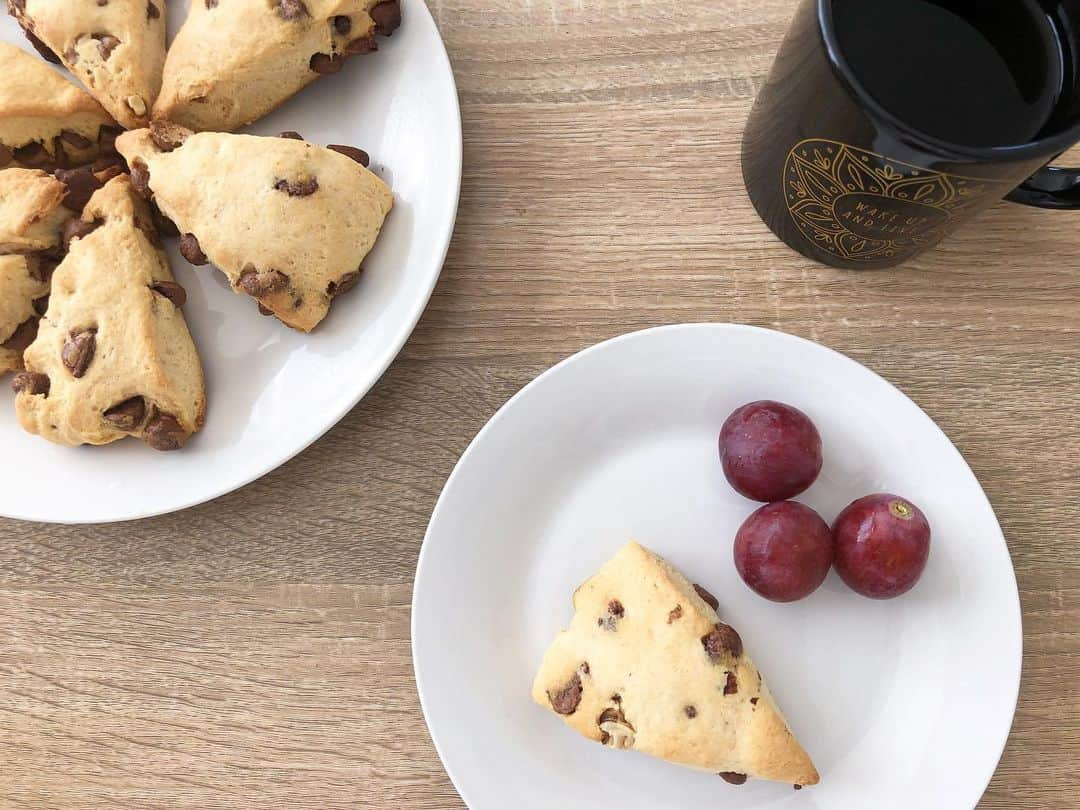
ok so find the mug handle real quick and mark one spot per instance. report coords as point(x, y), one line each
point(1049, 187)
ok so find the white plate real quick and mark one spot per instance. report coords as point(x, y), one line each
point(272, 391)
point(901, 704)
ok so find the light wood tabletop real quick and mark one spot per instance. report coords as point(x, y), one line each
point(254, 651)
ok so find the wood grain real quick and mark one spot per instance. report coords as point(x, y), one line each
point(254, 651)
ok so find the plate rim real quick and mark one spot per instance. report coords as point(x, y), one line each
point(402, 333)
point(644, 334)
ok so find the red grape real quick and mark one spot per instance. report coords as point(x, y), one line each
point(783, 551)
point(770, 451)
point(882, 544)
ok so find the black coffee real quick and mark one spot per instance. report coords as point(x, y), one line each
point(971, 72)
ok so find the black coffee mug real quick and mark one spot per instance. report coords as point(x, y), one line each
point(847, 181)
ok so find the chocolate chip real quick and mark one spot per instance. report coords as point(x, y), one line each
point(324, 64)
point(164, 432)
point(343, 284)
point(140, 178)
point(691, 711)
point(387, 17)
point(152, 12)
point(71, 56)
point(166, 136)
point(616, 609)
point(75, 139)
point(291, 9)
point(708, 598)
point(753, 701)
point(342, 24)
point(361, 45)
point(78, 351)
point(298, 188)
point(731, 684)
point(23, 335)
point(47, 53)
point(359, 155)
point(566, 700)
point(211, 3)
point(33, 156)
point(30, 382)
point(107, 138)
point(722, 641)
point(106, 44)
point(190, 249)
point(41, 266)
point(674, 614)
point(41, 305)
point(103, 2)
point(584, 668)
point(128, 415)
point(733, 778)
point(162, 223)
point(171, 290)
point(797, 787)
point(80, 185)
point(264, 311)
point(260, 283)
point(5, 156)
point(290, 135)
point(77, 229)
point(610, 715)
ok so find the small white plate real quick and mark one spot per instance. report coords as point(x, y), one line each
point(901, 704)
point(272, 391)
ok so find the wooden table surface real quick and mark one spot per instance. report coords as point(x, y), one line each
point(254, 651)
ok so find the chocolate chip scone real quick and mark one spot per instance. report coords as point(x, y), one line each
point(31, 219)
point(113, 356)
point(235, 60)
point(287, 221)
point(647, 664)
point(45, 120)
point(116, 48)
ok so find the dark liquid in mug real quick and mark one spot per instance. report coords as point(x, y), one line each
point(971, 72)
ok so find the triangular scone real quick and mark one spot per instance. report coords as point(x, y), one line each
point(287, 221)
point(31, 220)
point(235, 60)
point(45, 120)
point(116, 48)
point(113, 356)
point(648, 665)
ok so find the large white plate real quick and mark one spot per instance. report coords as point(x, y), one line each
point(272, 391)
point(901, 704)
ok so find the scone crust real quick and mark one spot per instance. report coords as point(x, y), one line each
point(110, 281)
point(685, 706)
point(38, 105)
point(123, 73)
point(314, 240)
point(235, 61)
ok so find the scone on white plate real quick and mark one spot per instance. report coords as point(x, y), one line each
point(46, 121)
point(32, 217)
point(648, 665)
point(235, 60)
point(113, 356)
point(287, 221)
point(116, 48)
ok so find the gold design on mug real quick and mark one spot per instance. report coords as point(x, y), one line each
point(862, 206)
